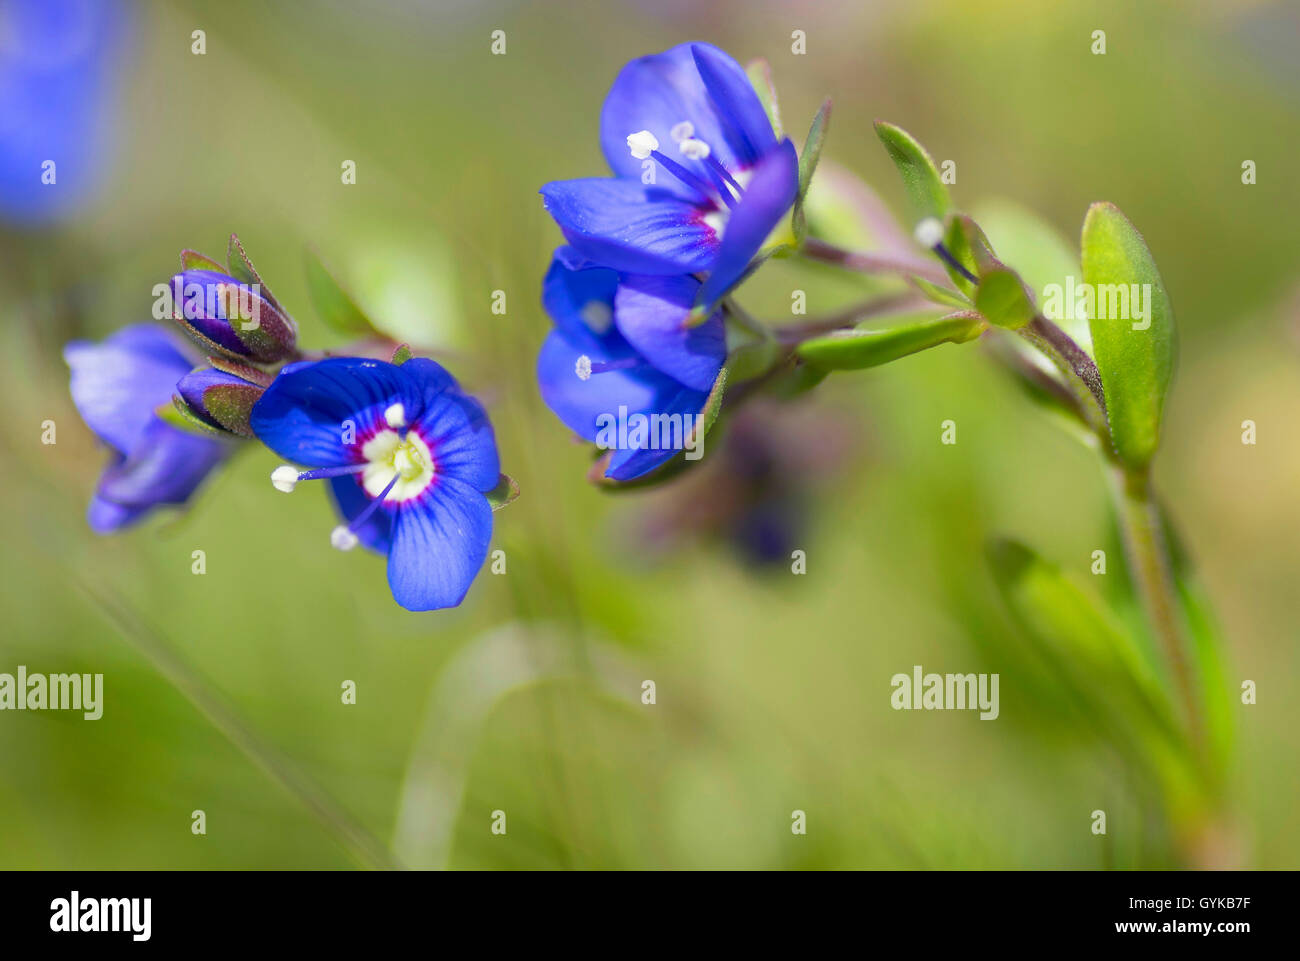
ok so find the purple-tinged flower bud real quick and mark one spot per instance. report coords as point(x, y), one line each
point(232, 318)
point(223, 394)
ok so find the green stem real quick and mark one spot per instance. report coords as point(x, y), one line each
point(1152, 574)
point(877, 263)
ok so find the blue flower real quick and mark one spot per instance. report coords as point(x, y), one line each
point(408, 457)
point(57, 60)
point(620, 355)
point(116, 386)
point(689, 122)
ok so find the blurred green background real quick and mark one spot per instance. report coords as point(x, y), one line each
point(223, 690)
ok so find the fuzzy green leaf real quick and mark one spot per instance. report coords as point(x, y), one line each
point(927, 195)
point(1135, 355)
point(860, 348)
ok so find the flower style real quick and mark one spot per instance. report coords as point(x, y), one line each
point(728, 180)
point(409, 459)
point(618, 346)
point(117, 386)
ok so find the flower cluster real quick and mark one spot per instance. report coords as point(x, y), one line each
point(700, 180)
point(410, 458)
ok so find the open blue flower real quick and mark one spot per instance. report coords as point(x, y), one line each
point(619, 356)
point(408, 456)
point(116, 386)
point(688, 122)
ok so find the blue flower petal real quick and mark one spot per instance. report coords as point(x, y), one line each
point(651, 313)
point(626, 225)
point(117, 384)
point(439, 543)
point(303, 414)
point(658, 92)
point(578, 403)
point(744, 120)
point(165, 467)
point(580, 301)
point(106, 517)
point(351, 499)
point(633, 462)
point(460, 437)
point(767, 198)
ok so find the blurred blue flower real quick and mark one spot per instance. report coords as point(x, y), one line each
point(408, 456)
point(707, 207)
point(116, 386)
point(619, 350)
point(57, 59)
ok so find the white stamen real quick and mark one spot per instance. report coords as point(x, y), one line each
point(284, 478)
point(583, 368)
point(929, 232)
point(695, 149)
point(342, 539)
point(642, 143)
point(395, 416)
point(682, 131)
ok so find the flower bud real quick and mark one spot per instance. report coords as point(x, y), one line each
point(223, 394)
point(232, 318)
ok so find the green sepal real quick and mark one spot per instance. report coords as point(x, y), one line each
point(860, 348)
point(1135, 364)
point(336, 306)
point(1003, 300)
point(193, 260)
point(178, 414)
point(231, 405)
point(760, 78)
point(927, 194)
point(239, 266)
point(401, 355)
point(504, 493)
point(247, 372)
point(812, 151)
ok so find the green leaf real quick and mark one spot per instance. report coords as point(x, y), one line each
point(760, 78)
point(334, 304)
point(1082, 640)
point(860, 348)
point(940, 295)
point(1135, 356)
point(1001, 297)
point(812, 151)
point(504, 493)
point(927, 195)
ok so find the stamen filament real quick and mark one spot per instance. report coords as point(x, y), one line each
point(344, 538)
point(681, 173)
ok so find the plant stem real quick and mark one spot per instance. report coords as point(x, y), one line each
point(1152, 574)
point(1077, 368)
point(864, 263)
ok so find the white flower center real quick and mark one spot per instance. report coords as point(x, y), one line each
point(388, 454)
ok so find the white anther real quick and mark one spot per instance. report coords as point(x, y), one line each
point(929, 232)
point(583, 368)
point(342, 539)
point(284, 478)
point(682, 131)
point(395, 416)
point(695, 149)
point(642, 143)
